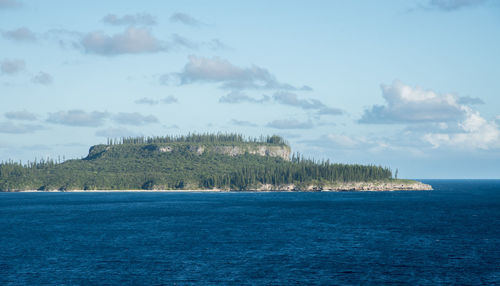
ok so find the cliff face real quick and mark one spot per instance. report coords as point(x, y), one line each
point(272, 151)
point(261, 150)
point(281, 151)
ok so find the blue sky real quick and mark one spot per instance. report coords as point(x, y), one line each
point(408, 84)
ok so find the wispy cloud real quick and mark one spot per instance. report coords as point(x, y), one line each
point(77, 117)
point(346, 143)
point(468, 100)
point(242, 123)
point(21, 115)
point(22, 34)
point(42, 78)
point(151, 101)
point(16, 128)
point(133, 40)
point(283, 98)
point(240, 97)
point(12, 66)
point(134, 118)
point(130, 19)
point(180, 41)
point(185, 19)
point(453, 5)
point(66, 39)
point(9, 4)
point(169, 99)
point(290, 124)
point(292, 99)
point(217, 70)
point(216, 44)
point(147, 100)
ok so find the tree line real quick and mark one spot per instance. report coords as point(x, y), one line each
point(199, 138)
point(133, 165)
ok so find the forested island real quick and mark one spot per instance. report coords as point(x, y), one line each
point(224, 162)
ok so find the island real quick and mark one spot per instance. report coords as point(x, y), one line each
point(213, 162)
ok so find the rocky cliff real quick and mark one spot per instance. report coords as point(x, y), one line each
point(393, 185)
point(255, 149)
point(281, 151)
point(262, 150)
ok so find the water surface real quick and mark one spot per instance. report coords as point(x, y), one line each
point(450, 235)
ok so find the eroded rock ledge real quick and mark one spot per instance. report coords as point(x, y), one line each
point(352, 186)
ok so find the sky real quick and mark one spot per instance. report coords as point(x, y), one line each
point(411, 85)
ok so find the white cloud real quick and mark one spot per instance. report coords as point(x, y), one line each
point(476, 133)
point(442, 120)
point(217, 70)
point(406, 104)
point(132, 41)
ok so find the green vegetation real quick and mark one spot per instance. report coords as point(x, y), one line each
point(224, 161)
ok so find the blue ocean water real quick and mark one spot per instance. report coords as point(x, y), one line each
point(447, 236)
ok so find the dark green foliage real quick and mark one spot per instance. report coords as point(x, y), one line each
point(173, 163)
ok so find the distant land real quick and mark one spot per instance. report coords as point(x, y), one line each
point(214, 162)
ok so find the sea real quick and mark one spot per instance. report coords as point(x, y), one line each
point(447, 236)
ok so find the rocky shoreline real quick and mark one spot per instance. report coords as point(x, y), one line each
point(382, 186)
point(353, 186)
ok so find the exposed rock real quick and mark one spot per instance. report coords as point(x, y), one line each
point(200, 150)
point(228, 150)
point(262, 150)
point(165, 149)
point(352, 186)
